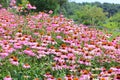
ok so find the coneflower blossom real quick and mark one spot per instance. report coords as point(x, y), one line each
point(26, 66)
point(7, 78)
point(14, 60)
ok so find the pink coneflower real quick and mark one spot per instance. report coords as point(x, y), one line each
point(29, 6)
point(50, 12)
point(58, 37)
point(49, 29)
point(117, 77)
point(14, 61)
point(85, 77)
point(29, 52)
point(68, 77)
point(51, 78)
point(48, 75)
point(12, 3)
point(3, 54)
point(10, 50)
point(7, 78)
point(0, 6)
point(26, 66)
point(17, 46)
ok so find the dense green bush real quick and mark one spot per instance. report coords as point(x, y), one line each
point(4, 3)
point(90, 15)
point(113, 22)
point(46, 5)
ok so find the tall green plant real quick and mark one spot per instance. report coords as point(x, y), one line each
point(5, 3)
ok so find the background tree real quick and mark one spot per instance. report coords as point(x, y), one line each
point(69, 8)
point(113, 22)
point(90, 15)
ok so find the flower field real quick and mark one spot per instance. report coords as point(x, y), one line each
point(45, 47)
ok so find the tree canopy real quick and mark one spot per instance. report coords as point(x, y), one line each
point(90, 15)
point(47, 5)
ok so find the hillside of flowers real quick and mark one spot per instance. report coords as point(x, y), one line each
point(45, 47)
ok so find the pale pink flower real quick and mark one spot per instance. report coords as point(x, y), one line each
point(26, 66)
point(15, 63)
point(3, 54)
point(48, 75)
point(50, 12)
point(12, 3)
point(29, 6)
point(0, 6)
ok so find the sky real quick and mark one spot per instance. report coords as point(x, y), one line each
point(102, 1)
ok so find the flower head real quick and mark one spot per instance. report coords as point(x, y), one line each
point(26, 66)
point(7, 78)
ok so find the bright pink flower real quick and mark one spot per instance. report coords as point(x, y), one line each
point(58, 37)
point(14, 60)
point(29, 6)
point(48, 75)
point(17, 46)
point(15, 63)
point(7, 78)
point(49, 29)
point(29, 52)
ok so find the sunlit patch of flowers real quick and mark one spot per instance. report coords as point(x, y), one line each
point(41, 47)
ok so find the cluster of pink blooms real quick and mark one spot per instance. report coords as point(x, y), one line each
point(86, 75)
point(81, 44)
point(29, 6)
point(13, 4)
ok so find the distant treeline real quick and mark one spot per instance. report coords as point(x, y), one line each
point(96, 14)
point(111, 9)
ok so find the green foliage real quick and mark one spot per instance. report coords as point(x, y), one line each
point(19, 73)
point(46, 5)
point(111, 25)
point(90, 15)
point(113, 22)
point(96, 64)
point(5, 3)
point(69, 8)
point(116, 17)
point(93, 13)
point(111, 9)
point(22, 3)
